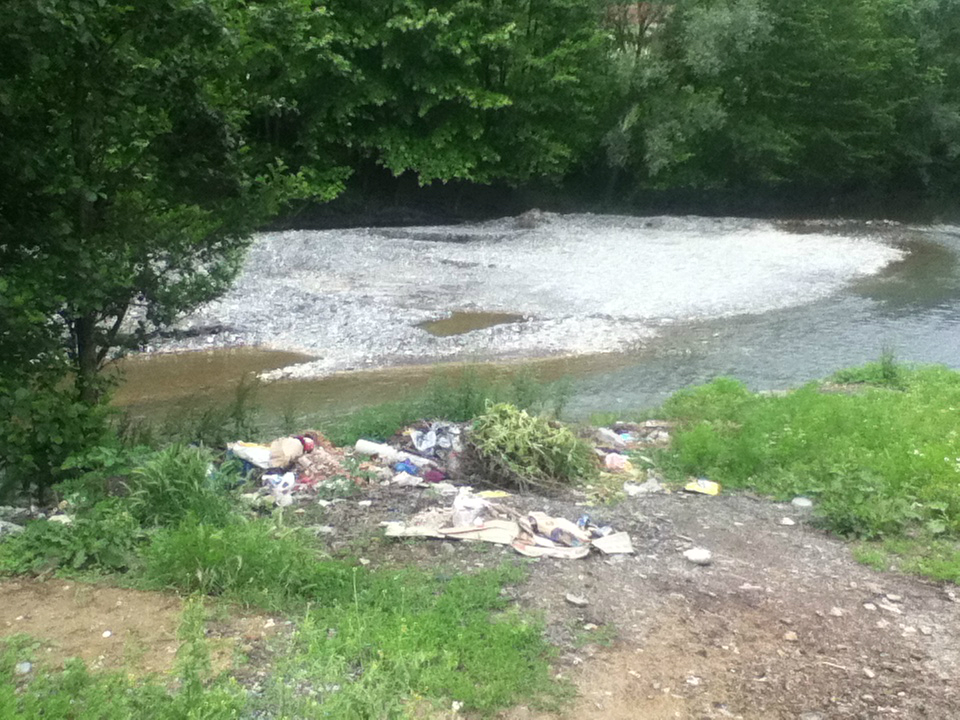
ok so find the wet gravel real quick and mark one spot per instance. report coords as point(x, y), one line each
point(582, 283)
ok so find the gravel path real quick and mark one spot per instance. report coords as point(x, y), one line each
point(583, 284)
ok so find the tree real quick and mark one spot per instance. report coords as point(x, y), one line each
point(128, 190)
point(764, 92)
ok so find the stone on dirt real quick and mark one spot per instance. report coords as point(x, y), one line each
point(577, 600)
point(699, 556)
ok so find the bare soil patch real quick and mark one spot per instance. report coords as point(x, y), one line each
point(783, 624)
point(113, 628)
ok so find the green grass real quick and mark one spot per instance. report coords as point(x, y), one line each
point(883, 462)
point(408, 635)
point(935, 558)
point(249, 562)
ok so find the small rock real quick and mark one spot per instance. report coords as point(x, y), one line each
point(62, 519)
point(589, 626)
point(790, 636)
point(447, 548)
point(577, 600)
point(364, 561)
point(812, 716)
point(836, 612)
point(787, 521)
point(908, 631)
point(870, 674)
point(365, 503)
point(926, 630)
point(894, 598)
point(9, 528)
point(802, 502)
point(24, 667)
point(869, 606)
point(699, 556)
point(107, 633)
point(694, 680)
point(269, 623)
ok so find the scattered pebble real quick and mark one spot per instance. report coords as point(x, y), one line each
point(269, 624)
point(790, 636)
point(926, 630)
point(836, 612)
point(107, 633)
point(694, 680)
point(787, 521)
point(364, 561)
point(365, 503)
point(589, 626)
point(24, 667)
point(894, 598)
point(802, 502)
point(577, 600)
point(869, 673)
point(869, 606)
point(699, 556)
point(447, 548)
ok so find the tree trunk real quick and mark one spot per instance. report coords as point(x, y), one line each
point(86, 361)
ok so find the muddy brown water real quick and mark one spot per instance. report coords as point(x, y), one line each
point(163, 385)
point(460, 323)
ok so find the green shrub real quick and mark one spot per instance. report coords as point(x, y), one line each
point(515, 447)
point(104, 537)
point(175, 482)
point(249, 562)
point(886, 372)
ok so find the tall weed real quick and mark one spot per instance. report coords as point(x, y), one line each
point(517, 448)
point(176, 482)
point(248, 562)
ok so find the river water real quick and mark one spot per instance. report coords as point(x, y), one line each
point(648, 305)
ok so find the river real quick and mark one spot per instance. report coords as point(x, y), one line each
point(646, 306)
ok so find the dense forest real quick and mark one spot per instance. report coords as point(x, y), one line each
point(141, 143)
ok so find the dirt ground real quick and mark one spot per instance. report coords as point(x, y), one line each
point(114, 628)
point(783, 624)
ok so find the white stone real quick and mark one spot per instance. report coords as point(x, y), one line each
point(699, 556)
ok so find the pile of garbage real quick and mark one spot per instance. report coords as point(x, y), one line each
point(299, 467)
point(291, 467)
point(475, 517)
point(429, 455)
point(614, 442)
